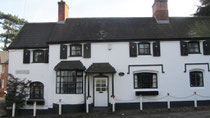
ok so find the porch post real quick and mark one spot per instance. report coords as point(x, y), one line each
point(112, 85)
point(87, 105)
point(88, 85)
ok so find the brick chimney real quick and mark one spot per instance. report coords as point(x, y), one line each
point(63, 11)
point(160, 11)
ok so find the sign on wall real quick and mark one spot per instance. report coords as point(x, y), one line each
point(22, 72)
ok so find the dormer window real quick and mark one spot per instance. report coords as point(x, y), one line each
point(193, 47)
point(75, 50)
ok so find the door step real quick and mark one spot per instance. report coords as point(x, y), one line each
point(100, 109)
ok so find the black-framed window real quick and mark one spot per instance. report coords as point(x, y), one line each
point(196, 79)
point(144, 48)
point(38, 56)
point(193, 47)
point(75, 50)
point(36, 90)
point(69, 82)
point(145, 80)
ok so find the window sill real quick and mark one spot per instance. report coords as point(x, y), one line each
point(195, 53)
point(75, 56)
point(196, 86)
point(144, 54)
point(145, 88)
point(147, 93)
point(38, 62)
point(69, 93)
point(38, 101)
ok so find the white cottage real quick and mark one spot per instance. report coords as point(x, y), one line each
point(96, 61)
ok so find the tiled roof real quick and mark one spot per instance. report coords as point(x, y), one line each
point(101, 68)
point(111, 29)
point(70, 65)
point(33, 35)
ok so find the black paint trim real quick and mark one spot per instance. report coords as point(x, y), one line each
point(29, 48)
point(88, 86)
point(38, 101)
point(68, 108)
point(161, 65)
point(63, 51)
point(133, 49)
point(112, 85)
point(206, 47)
point(84, 84)
point(147, 93)
point(26, 56)
point(186, 64)
point(158, 105)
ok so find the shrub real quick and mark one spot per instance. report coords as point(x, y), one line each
point(16, 91)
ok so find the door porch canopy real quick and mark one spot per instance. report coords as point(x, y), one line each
point(100, 68)
point(70, 65)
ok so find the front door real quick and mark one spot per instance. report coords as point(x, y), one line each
point(101, 93)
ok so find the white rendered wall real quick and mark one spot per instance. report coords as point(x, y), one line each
point(173, 81)
point(37, 72)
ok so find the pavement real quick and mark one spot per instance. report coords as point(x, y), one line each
point(202, 112)
point(2, 105)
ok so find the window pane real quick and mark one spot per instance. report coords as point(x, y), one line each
point(97, 89)
point(79, 85)
point(36, 90)
point(79, 79)
point(79, 73)
point(76, 50)
point(73, 47)
point(69, 83)
point(79, 90)
point(62, 73)
point(103, 89)
point(38, 56)
point(62, 80)
point(193, 47)
point(58, 73)
point(145, 80)
point(144, 48)
point(196, 79)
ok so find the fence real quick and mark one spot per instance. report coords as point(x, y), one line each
point(114, 100)
point(168, 96)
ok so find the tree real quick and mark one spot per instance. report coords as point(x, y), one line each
point(16, 91)
point(203, 9)
point(10, 25)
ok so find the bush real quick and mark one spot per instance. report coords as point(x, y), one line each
point(16, 91)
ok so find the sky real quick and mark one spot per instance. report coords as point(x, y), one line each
point(47, 10)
